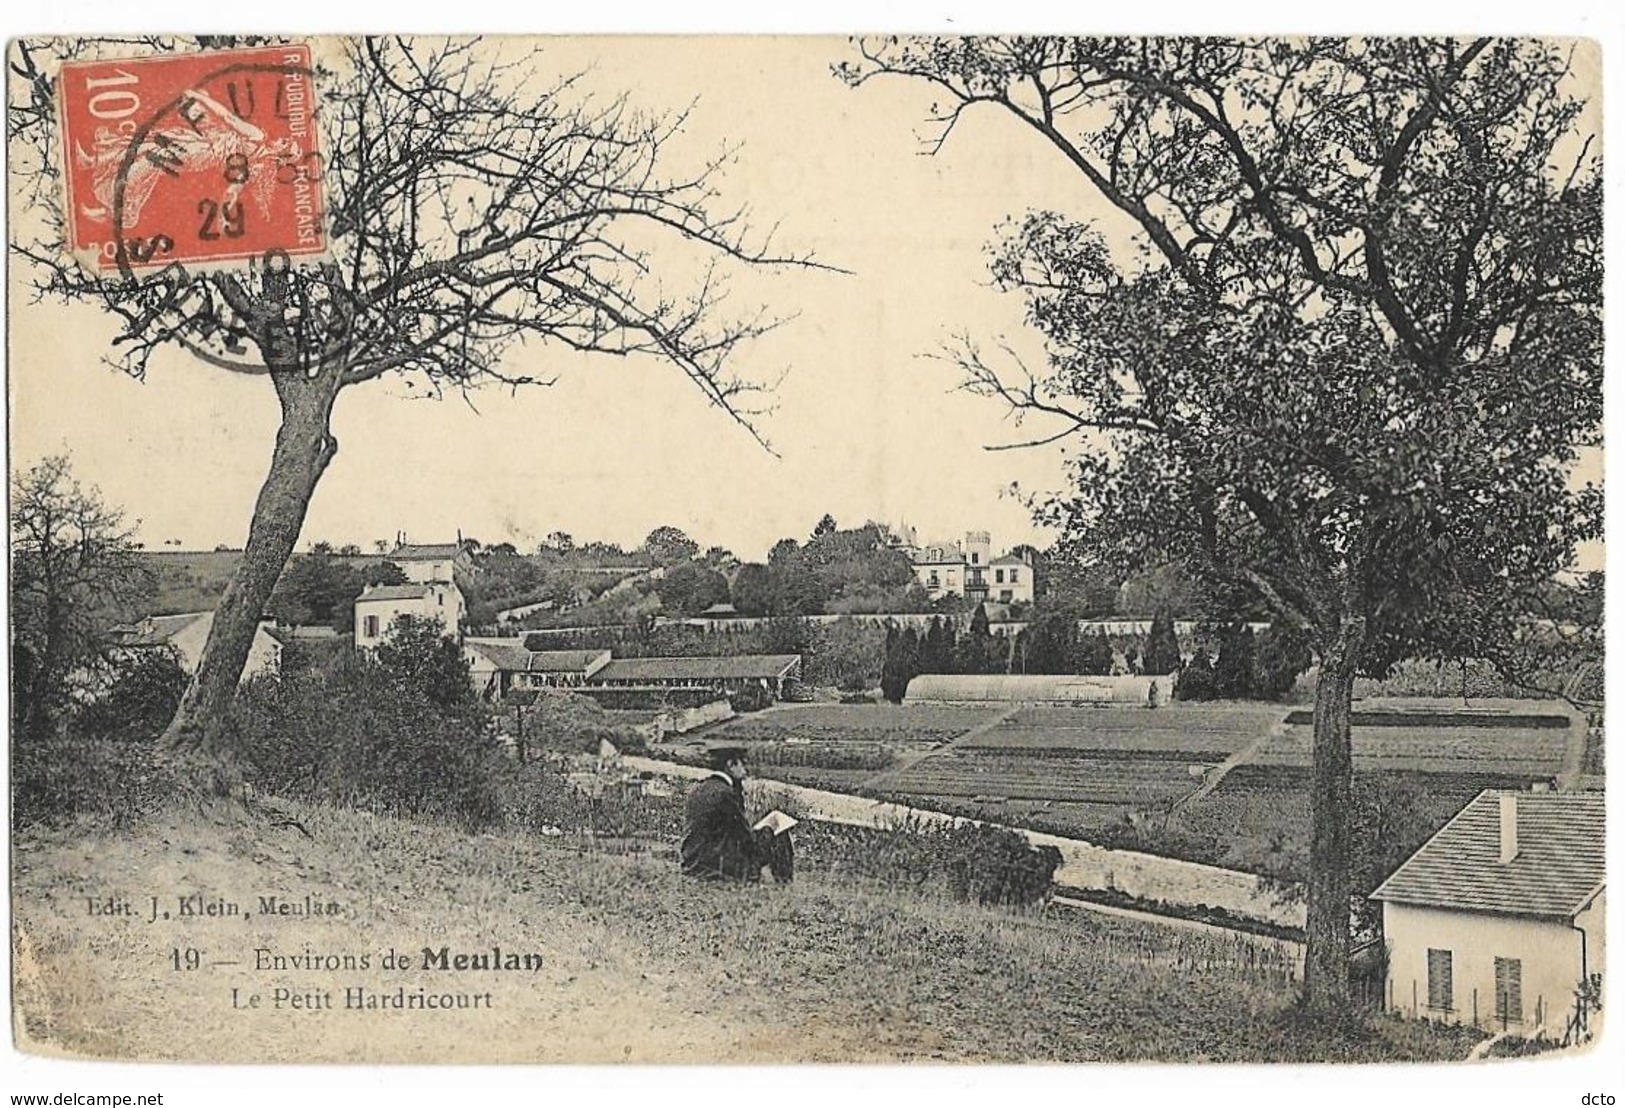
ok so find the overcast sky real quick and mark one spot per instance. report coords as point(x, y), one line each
point(869, 423)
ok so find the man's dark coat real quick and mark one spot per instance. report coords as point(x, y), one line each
point(719, 841)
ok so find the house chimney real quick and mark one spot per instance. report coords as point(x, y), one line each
point(1509, 827)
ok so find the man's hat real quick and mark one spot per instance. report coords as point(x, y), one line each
point(720, 756)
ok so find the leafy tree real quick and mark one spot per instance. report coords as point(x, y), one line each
point(939, 651)
point(689, 588)
point(143, 689)
point(851, 655)
point(317, 589)
point(1351, 368)
point(1165, 585)
point(1283, 654)
point(468, 206)
point(382, 573)
point(1161, 654)
point(1050, 642)
point(74, 562)
point(418, 653)
point(1094, 655)
point(753, 591)
point(826, 526)
point(902, 662)
point(669, 546)
point(1235, 673)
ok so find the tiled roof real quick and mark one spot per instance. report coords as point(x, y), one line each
point(736, 667)
point(393, 592)
point(423, 552)
point(563, 661)
point(1558, 868)
point(504, 656)
point(514, 658)
point(1009, 560)
point(156, 630)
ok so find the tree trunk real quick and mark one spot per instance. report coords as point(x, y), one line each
point(1326, 960)
point(304, 447)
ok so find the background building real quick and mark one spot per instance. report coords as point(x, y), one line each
point(967, 568)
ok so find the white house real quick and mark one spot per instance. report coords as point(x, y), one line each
point(187, 634)
point(1011, 580)
point(431, 563)
point(1498, 919)
point(379, 605)
point(430, 593)
point(967, 568)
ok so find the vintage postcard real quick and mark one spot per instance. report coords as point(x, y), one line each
point(879, 549)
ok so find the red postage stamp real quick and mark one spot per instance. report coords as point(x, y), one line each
point(192, 158)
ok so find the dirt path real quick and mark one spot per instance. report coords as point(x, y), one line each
point(887, 776)
point(1215, 777)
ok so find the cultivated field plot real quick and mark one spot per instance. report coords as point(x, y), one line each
point(1128, 781)
point(1177, 732)
point(1524, 745)
point(861, 722)
point(1257, 820)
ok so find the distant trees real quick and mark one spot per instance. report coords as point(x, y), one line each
point(687, 589)
point(1054, 643)
point(1264, 666)
point(839, 571)
point(74, 562)
point(319, 589)
point(669, 546)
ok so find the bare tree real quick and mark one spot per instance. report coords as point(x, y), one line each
point(74, 564)
point(470, 206)
point(1349, 367)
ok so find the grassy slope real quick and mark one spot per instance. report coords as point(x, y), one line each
point(640, 964)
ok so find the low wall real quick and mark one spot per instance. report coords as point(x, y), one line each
point(1083, 864)
point(679, 721)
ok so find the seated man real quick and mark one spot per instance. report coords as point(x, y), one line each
point(718, 841)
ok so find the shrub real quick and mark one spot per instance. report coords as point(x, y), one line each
point(971, 862)
point(142, 693)
point(570, 722)
point(1196, 678)
point(1283, 654)
point(352, 735)
point(66, 777)
point(751, 698)
point(538, 798)
point(994, 865)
